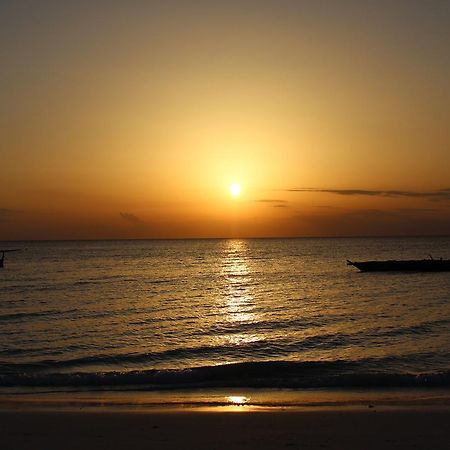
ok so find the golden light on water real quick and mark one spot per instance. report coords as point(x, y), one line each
point(237, 303)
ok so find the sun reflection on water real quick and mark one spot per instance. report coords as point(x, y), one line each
point(237, 297)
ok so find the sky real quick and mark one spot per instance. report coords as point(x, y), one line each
point(132, 119)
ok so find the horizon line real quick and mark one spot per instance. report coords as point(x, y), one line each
point(373, 236)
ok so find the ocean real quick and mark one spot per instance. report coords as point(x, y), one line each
point(171, 315)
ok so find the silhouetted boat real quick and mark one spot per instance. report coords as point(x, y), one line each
point(412, 265)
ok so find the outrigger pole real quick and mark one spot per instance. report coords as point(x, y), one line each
point(2, 259)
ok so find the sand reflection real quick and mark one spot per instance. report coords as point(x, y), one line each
point(237, 399)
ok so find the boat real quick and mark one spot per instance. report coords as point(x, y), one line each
point(412, 265)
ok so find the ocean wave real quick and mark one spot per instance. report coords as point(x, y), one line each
point(24, 315)
point(261, 374)
point(417, 329)
point(261, 349)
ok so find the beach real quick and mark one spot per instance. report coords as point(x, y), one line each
point(368, 428)
point(276, 419)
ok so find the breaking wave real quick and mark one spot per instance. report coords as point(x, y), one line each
point(267, 374)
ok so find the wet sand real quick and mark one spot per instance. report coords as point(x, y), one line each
point(369, 428)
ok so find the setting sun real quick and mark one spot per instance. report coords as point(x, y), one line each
point(235, 189)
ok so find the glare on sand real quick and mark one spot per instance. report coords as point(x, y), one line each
point(235, 189)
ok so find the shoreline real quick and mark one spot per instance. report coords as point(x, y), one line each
point(232, 399)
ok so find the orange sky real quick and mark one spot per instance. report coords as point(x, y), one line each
point(131, 119)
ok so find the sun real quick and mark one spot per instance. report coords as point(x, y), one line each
point(235, 189)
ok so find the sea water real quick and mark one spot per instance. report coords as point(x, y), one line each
point(243, 313)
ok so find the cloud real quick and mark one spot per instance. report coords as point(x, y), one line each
point(133, 219)
point(276, 203)
point(396, 213)
point(6, 214)
point(370, 213)
point(416, 210)
point(442, 194)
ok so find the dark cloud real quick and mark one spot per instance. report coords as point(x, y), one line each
point(442, 194)
point(131, 218)
point(6, 214)
point(393, 213)
point(370, 213)
point(276, 203)
point(6, 211)
point(416, 210)
point(399, 213)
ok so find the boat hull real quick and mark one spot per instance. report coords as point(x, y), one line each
point(424, 265)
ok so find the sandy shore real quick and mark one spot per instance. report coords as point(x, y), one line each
point(177, 429)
